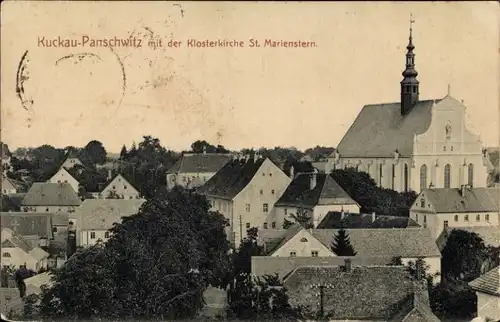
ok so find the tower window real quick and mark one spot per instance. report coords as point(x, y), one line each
point(415, 89)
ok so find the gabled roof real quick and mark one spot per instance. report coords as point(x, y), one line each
point(273, 242)
point(28, 223)
point(38, 254)
point(99, 214)
point(488, 283)
point(51, 194)
point(231, 179)
point(363, 293)
point(17, 241)
point(451, 200)
point(200, 163)
point(334, 220)
point(406, 242)
point(380, 129)
point(66, 172)
point(121, 176)
point(326, 192)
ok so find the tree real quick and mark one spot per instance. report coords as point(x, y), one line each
point(341, 244)
point(463, 255)
point(201, 146)
point(123, 152)
point(396, 261)
point(303, 218)
point(95, 152)
point(156, 264)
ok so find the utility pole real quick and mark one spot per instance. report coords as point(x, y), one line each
point(322, 287)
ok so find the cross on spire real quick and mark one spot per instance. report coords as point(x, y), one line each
point(411, 23)
point(449, 89)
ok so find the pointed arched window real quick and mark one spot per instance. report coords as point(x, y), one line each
point(406, 177)
point(423, 177)
point(447, 176)
point(470, 177)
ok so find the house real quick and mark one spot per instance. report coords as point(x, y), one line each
point(314, 194)
point(439, 208)
point(50, 197)
point(6, 158)
point(71, 160)
point(489, 234)
point(245, 191)
point(8, 186)
point(407, 243)
point(414, 143)
point(32, 226)
point(16, 251)
point(95, 217)
point(63, 176)
point(14, 304)
point(119, 187)
point(487, 288)
point(360, 293)
point(336, 220)
point(194, 169)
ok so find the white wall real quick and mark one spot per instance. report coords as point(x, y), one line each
point(434, 266)
point(71, 162)
point(49, 208)
point(19, 257)
point(121, 187)
point(62, 176)
point(303, 244)
point(488, 306)
point(86, 237)
point(188, 180)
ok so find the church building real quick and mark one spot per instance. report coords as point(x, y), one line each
point(413, 144)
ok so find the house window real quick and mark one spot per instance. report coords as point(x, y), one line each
point(416, 217)
point(265, 225)
point(92, 235)
point(273, 224)
point(478, 217)
point(270, 174)
point(423, 177)
point(265, 207)
point(293, 254)
point(406, 177)
point(314, 253)
point(470, 176)
point(425, 218)
point(58, 181)
point(114, 187)
point(422, 203)
point(65, 181)
point(248, 225)
point(47, 209)
point(272, 192)
point(125, 187)
point(6, 254)
point(456, 217)
point(444, 148)
point(447, 176)
point(466, 218)
point(247, 207)
point(262, 192)
point(487, 217)
point(286, 211)
point(106, 234)
point(263, 174)
point(381, 168)
point(54, 229)
point(451, 148)
point(445, 224)
point(303, 240)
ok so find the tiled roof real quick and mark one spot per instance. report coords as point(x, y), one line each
point(28, 223)
point(100, 214)
point(488, 283)
point(200, 163)
point(333, 220)
point(489, 234)
point(264, 265)
point(7, 183)
point(373, 292)
point(406, 242)
point(380, 129)
point(450, 200)
point(38, 253)
point(12, 202)
point(60, 219)
point(35, 282)
point(231, 179)
point(17, 241)
point(51, 194)
point(273, 239)
point(326, 192)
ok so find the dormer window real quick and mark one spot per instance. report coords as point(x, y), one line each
point(422, 203)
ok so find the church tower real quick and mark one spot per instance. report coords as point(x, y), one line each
point(409, 84)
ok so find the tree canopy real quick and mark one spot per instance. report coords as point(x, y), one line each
point(362, 188)
point(201, 146)
point(156, 264)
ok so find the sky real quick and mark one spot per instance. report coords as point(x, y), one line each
point(237, 97)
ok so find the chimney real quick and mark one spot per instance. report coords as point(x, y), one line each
point(348, 265)
point(292, 174)
point(373, 216)
point(110, 174)
point(462, 190)
point(205, 149)
point(396, 155)
point(255, 157)
point(313, 179)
